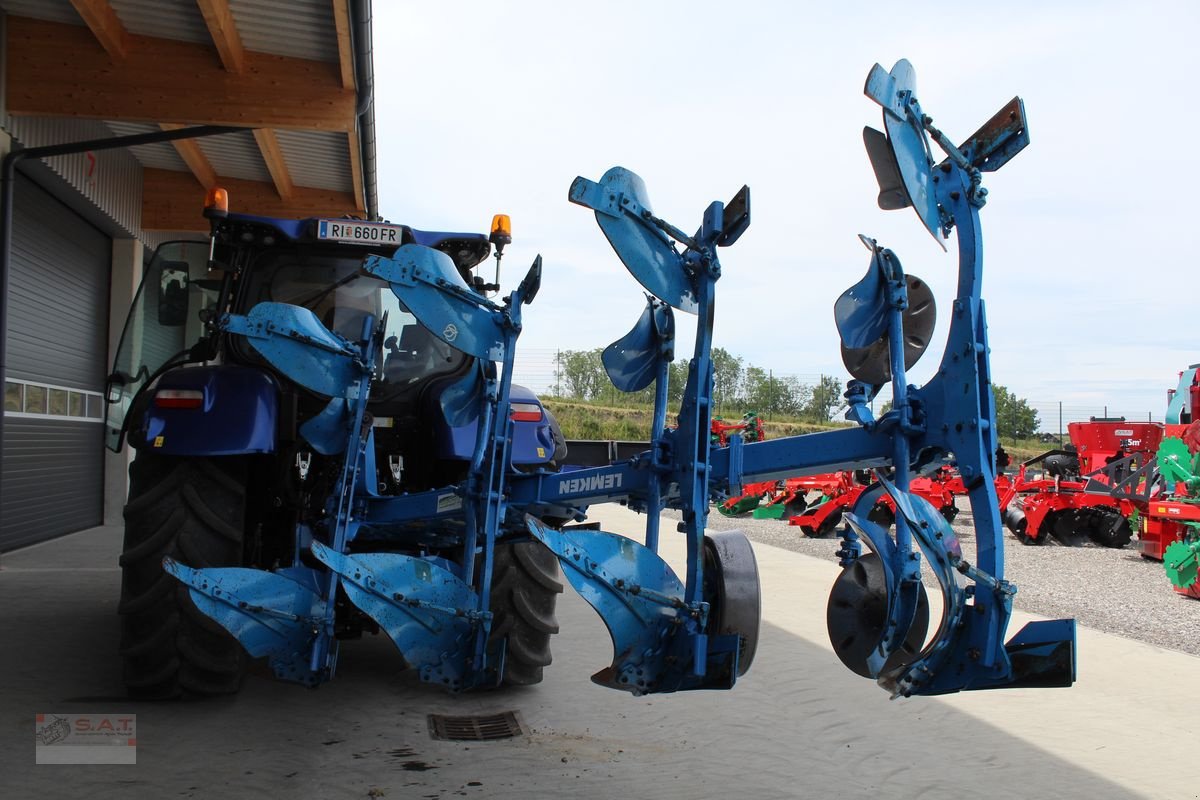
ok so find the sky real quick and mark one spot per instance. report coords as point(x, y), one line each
point(495, 107)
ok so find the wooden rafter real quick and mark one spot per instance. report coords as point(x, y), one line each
point(356, 169)
point(189, 150)
point(268, 145)
point(170, 201)
point(341, 20)
point(223, 30)
point(105, 25)
point(54, 70)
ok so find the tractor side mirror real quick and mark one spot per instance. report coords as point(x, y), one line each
point(173, 294)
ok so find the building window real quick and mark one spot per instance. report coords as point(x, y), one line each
point(35, 399)
point(23, 399)
point(14, 396)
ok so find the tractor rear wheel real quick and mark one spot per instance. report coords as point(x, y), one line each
point(525, 585)
point(193, 510)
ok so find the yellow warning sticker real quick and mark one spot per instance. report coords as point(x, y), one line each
point(158, 441)
point(541, 452)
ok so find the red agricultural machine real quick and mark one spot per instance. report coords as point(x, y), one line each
point(836, 492)
point(750, 429)
point(1114, 471)
point(1076, 496)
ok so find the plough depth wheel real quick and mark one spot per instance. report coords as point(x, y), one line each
point(731, 587)
point(857, 612)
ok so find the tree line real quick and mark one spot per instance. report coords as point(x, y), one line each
point(739, 387)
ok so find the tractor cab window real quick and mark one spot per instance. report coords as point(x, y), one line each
point(165, 321)
point(335, 289)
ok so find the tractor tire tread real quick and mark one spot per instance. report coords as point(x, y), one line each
point(191, 510)
point(524, 593)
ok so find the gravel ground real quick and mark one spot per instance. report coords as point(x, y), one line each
point(1116, 591)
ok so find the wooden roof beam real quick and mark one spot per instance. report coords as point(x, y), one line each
point(223, 30)
point(189, 150)
point(356, 168)
point(268, 145)
point(55, 70)
point(170, 201)
point(341, 22)
point(105, 25)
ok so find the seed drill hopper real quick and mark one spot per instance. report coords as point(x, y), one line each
point(421, 564)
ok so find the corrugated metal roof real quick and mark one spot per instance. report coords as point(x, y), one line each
point(159, 156)
point(296, 28)
point(287, 28)
point(53, 10)
point(111, 180)
point(317, 158)
point(235, 155)
point(166, 19)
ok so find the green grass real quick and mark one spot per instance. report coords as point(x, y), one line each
point(583, 419)
point(599, 419)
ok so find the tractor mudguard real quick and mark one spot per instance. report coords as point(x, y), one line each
point(533, 442)
point(237, 413)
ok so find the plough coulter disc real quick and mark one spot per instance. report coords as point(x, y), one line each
point(857, 612)
point(872, 363)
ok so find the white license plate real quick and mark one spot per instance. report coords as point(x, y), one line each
point(357, 232)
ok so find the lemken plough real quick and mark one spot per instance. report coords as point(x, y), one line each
point(422, 561)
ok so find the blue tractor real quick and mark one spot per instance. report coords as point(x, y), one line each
point(237, 462)
point(329, 442)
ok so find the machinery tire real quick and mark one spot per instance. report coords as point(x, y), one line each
point(193, 510)
point(525, 584)
point(1108, 528)
point(733, 591)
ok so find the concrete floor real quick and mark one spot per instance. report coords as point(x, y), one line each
point(798, 725)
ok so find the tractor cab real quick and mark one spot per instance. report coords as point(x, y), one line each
point(230, 399)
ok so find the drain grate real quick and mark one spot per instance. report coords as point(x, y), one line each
point(504, 725)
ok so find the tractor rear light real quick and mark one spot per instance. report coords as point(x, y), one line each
point(178, 398)
point(526, 412)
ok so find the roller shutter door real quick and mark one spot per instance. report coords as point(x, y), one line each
point(53, 458)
